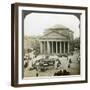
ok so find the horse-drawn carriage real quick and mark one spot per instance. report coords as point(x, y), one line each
point(43, 64)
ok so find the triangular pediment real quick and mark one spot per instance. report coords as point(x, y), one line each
point(54, 34)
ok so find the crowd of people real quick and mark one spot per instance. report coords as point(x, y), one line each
point(43, 65)
point(61, 72)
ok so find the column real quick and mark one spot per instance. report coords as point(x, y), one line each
point(44, 47)
point(68, 47)
point(56, 46)
point(52, 47)
point(64, 46)
point(48, 47)
point(60, 48)
point(41, 47)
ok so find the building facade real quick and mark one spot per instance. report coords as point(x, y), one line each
point(56, 40)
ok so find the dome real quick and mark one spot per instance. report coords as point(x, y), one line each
point(58, 27)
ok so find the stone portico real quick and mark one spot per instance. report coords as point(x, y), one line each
point(56, 40)
point(52, 47)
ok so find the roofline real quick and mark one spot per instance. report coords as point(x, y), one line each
point(55, 32)
point(60, 29)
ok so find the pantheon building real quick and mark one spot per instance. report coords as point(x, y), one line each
point(56, 40)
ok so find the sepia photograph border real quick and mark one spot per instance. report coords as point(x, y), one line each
point(15, 44)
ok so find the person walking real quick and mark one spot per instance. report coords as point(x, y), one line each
point(69, 65)
point(70, 61)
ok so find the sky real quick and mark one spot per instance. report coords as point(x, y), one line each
point(36, 23)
